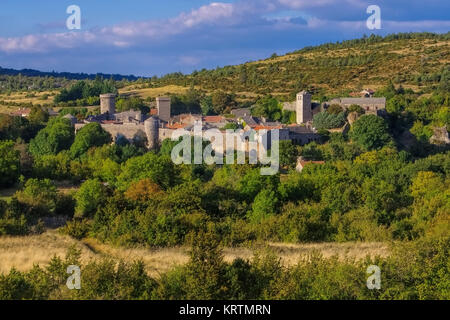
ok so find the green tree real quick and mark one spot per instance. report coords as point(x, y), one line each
point(39, 196)
point(220, 101)
point(205, 276)
point(396, 104)
point(326, 120)
point(91, 135)
point(38, 115)
point(422, 132)
point(264, 205)
point(370, 132)
point(159, 169)
point(206, 104)
point(268, 107)
point(58, 135)
point(89, 197)
point(355, 108)
point(335, 109)
point(288, 154)
point(9, 164)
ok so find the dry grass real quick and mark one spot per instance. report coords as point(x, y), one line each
point(21, 97)
point(23, 252)
point(153, 92)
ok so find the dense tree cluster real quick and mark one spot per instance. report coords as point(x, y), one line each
point(88, 91)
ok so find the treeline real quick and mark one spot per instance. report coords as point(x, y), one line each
point(87, 93)
point(417, 270)
point(10, 83)
point(373, 38)
point(64, 75)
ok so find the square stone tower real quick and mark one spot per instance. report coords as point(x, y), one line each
point(163, 105)
point(303, 107)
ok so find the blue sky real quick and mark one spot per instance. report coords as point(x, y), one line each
point(147, 37)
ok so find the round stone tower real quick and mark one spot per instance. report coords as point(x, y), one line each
point(151, 126)
point(108, 103)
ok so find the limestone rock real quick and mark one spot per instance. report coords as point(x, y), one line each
point(440, 136)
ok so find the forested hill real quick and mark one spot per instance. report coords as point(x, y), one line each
point(420, 61)
point(67, 75)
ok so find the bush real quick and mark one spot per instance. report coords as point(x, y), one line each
point(325, 120)
point(39, 197)
point(77, 228)
point(9, 164)
point(58, 135)
point(370, 132)
point(91, 135)
point(89, 197)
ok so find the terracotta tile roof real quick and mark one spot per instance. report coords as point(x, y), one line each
point(213, 119)
point(176, 126)
point(261, 127)
point(21, 112)
point(153, 112)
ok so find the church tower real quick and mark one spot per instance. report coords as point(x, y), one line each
point(303, 107)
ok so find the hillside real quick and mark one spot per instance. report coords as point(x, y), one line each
point(420, 61)
point(416, 60)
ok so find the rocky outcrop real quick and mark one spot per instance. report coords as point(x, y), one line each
point(352, 117)
point(440, 136)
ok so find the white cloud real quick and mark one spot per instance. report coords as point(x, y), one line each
point(235, 18)
point(189, 60)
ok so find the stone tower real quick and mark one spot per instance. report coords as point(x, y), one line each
point(163, 106)
point(303, 107)
point(108, 103)
point(151, 126)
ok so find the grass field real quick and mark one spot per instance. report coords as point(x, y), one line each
point(152, 92)
point(23, 252)
point(25, 97)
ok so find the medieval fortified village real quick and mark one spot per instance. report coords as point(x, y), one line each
point(160, 124)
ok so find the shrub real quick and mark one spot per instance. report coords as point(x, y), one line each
point(370, 132)
point(91, 135)
point(89, 197)
point(9, 164)
point(40, 197)
point(77, 228)
point(325, 120)
point(58, 135)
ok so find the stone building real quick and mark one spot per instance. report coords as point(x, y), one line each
point(375, 106)
point(303, 107)
point(152, 129)
point(303, 134)
point(108, 103)
point(163, 106)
